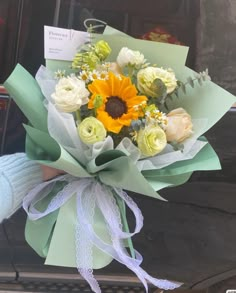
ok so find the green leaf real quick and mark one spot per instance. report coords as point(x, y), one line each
point(25, 91)
point(190, 81)
point(166, 106)
point(171, 97)
point(199, 80)
point(183, 87)
point(177, 146)
point(159, 88)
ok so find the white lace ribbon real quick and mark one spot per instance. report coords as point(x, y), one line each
point(91, 195)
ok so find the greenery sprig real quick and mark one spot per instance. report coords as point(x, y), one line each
point(198, 78)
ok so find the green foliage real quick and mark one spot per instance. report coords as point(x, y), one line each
point(177, 146)
point(159, 87)
point(85, 112)
point(191, 81)
point(137, 124)
point(199, 78)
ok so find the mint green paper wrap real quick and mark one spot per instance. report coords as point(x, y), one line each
point(112, 168)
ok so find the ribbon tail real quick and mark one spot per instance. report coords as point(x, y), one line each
point(102, 197)
point(84, 257)
point(161, 283)
point(140, 273)
point(113, 218)
point(127, 261)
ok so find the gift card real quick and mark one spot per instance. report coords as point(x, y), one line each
point(62, 44)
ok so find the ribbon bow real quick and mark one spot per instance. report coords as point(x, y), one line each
point(90, 195)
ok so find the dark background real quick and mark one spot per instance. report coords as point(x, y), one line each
point(22, 40)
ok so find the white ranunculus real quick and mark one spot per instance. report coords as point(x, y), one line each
point(127, 56)
point(147, 76)
point(70, 94)
point(179, 126)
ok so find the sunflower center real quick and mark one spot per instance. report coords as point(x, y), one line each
point(115, 107)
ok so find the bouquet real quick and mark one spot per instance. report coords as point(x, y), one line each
point(124, 115)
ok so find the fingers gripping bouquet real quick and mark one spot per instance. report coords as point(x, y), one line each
point(119, 119)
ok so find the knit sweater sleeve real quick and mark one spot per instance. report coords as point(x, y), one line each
point(18, 175)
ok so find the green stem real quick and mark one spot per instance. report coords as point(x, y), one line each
point(121, 206)
point(130, 71)
point(78, 116)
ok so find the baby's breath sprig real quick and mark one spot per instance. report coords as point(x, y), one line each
point(60, 74)
point(156, 117)
point(141, 108)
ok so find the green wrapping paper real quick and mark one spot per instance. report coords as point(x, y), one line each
point(53, 236)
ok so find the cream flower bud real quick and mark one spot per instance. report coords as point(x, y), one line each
point(129, 57)
point(115, 68)
point(147, 76)
point(179, 126)
point(109, 66)
point(151, 140)
point(91, 130)
point(70, 94)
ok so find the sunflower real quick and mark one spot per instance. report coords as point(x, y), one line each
point(117, 101)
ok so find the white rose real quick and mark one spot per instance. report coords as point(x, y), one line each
point(147, 76)
point(179, 126)
point(129, 57)
point(70, 94)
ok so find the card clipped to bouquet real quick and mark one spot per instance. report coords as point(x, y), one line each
point(115, 114)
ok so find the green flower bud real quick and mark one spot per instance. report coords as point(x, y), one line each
point(98, 101)
point(89, 58)
point(102, 50)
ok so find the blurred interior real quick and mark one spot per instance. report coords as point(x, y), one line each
point(22, 21)
point(22, 40)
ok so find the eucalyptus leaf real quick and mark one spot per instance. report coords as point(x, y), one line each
point(166, 106)
point(183, 87)
point(159, 88)
point(190, 81)
point(199, 81)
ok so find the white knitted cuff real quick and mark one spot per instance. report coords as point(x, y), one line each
point(18, 175)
